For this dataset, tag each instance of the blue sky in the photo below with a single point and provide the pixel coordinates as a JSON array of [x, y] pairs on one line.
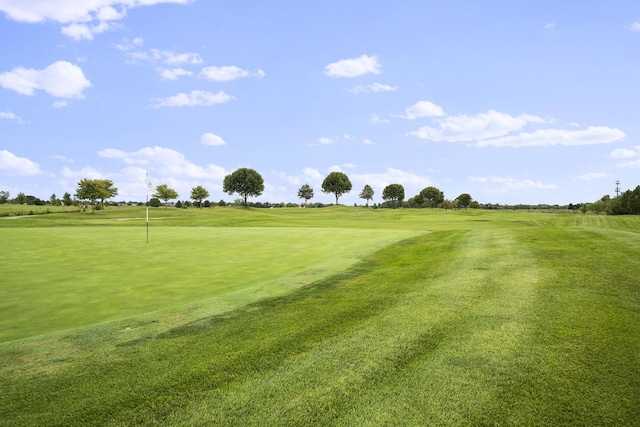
[[512, 102]]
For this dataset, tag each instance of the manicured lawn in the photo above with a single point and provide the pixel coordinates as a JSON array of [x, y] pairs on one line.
[[500, 318]]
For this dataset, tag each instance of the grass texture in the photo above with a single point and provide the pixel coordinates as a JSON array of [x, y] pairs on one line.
[[489, 319]]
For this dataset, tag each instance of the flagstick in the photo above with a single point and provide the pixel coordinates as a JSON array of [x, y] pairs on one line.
[[147, 218]]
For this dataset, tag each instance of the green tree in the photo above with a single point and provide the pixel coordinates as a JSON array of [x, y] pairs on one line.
[[393, 193], [431, 197], [154, 202], [163, 192], [244, 181], [20, 199], [366, 193], [463, 200], [198, 194], [336, 183], [89, 190], [66, 199], [54, 200], [106, 189], [4, 197], [447, 204], [305, 192]]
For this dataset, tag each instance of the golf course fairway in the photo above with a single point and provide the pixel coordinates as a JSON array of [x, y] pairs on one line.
[[334, 316]]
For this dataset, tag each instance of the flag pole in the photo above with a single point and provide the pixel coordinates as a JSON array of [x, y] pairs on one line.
[[149, 188]]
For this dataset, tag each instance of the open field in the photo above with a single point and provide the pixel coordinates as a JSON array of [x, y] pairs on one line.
[[333, 316]]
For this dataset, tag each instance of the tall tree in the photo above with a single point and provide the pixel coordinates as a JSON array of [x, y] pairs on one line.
[[394, 193], [66, 199], [106, 189], [464, 200], [367, 193], [4, 197], [163, 192], [431, 197], [198, 194], [337, 183], [20, 199], [95, 189], [305, 192], [244, 181]]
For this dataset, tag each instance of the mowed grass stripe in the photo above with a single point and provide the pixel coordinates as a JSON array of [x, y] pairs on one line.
[[518, 326], [67, 277]]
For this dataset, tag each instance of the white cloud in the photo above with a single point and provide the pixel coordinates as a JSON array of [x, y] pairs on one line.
[[505, 184], [548, 137], [14, 165], [593, 175], [165, 162], [368, 142], [549, 25], [630, 157], [378, 181], [227, 73], [212, 139], [491, 124], [130, 45], [375, 87], [84, 18], [60, 104], [8, 115], [364, 64], [625, 153], [325, 141], [167, 57], [86, 172], [377, 120], [85, 32], [422, 109], [196, 98], [635, 26], [60, 79], [174, 73]]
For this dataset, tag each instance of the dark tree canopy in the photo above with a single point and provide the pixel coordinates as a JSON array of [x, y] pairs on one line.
[[394, 193], [163, 192], [305, 192], [244, 181], [198, 194], [336, 183], [367, 193], [431, 197], [464, 200]]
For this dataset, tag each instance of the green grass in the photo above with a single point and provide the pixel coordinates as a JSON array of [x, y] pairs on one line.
[[491, 318]]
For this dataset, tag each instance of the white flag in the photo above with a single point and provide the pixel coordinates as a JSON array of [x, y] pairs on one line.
[[148, 183]]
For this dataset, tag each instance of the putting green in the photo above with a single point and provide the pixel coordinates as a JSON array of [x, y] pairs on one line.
[[67, 277]]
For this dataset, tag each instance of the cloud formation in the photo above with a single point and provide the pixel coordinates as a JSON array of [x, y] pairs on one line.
[[549, 137], [506, 184], [375, 87], [83, 19], [11, 164], [422, 109], [196, 98], [464, 128], [227, 73], [359, 66], [60, 79], [212, 139]]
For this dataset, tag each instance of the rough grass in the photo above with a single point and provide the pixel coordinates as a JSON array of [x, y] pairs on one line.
[[488, 320]]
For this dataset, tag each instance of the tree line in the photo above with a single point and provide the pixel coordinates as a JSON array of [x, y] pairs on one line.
[[247, 182]]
